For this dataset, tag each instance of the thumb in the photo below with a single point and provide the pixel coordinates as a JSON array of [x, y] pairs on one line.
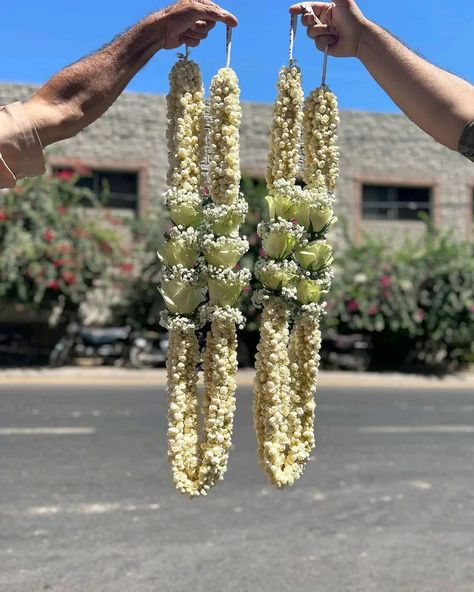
[[317, 7], [212, 12]]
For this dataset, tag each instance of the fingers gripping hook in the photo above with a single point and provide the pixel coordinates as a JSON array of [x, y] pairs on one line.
[[307, 7]]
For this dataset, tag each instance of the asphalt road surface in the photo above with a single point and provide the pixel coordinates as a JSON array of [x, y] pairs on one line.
[[86, 505]]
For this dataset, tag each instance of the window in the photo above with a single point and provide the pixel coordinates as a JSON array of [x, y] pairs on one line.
[[118, 189], [383, 202]]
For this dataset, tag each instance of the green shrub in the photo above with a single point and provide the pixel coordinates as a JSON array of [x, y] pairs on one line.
[[52, 247], [417, 302]]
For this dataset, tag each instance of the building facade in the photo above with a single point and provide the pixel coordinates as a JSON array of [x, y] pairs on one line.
[[390, 170]]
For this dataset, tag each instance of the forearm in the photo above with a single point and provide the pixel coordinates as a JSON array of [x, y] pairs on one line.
[[437, 101], [82, 92]]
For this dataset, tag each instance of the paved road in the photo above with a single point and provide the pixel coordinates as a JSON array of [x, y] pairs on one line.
[[387, 505]]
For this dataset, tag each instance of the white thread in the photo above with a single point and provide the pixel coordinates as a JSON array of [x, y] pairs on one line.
[[228, 48], [325, 66], [308, 8], [293, 28]]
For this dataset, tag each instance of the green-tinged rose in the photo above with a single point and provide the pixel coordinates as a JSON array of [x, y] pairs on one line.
[[180, 298], [227, 224], [308, 291], [276, 279], [321, 218], [279, 244], [186, 214], [281, 206], [224, 293], [302, 216], [222, 254], [314, 256], [179, 252]]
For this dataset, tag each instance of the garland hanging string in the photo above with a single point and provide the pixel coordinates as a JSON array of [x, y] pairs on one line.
[[295, 272]]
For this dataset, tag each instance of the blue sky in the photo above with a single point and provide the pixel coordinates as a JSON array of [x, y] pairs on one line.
[[39, 38]]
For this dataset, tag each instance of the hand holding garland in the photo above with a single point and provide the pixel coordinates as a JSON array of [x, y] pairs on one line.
[[437, 101], [82, 92]]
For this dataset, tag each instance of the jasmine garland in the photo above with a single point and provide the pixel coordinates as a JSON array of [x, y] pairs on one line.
[[296, 273], [199, 284]]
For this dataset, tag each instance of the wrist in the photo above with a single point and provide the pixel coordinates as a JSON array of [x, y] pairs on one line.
[[156, 25], [365, 40]]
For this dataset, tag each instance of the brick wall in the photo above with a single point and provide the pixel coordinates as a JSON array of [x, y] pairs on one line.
[[375, 148]]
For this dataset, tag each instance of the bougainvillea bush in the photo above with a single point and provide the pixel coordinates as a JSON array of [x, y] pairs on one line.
[[52, 246], [416, 302]]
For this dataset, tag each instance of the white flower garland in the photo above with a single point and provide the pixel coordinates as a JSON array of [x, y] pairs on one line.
[[295, 274], [202, 233], [287, 122], [224, 140], [321, 119]]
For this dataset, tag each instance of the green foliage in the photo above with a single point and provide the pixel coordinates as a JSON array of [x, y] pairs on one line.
[[417, 301], [142, 302], [255, 192], [52, 246]]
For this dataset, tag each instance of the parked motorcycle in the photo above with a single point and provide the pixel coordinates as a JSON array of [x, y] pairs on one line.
[[345, 352], [149, 350], [116, 346]]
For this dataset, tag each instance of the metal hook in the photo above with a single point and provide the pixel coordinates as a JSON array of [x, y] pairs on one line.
[[308, 9], [228, 46], [293, 29]]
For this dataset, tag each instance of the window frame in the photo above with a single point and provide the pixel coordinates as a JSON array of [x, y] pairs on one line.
[[393, 205], [393, 181], [140, 168]]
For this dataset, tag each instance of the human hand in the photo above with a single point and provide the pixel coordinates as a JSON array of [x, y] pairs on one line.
[[341, 28], [189, 22]]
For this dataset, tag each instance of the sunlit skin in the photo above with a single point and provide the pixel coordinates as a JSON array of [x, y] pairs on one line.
[[438, 102], [81, 93]]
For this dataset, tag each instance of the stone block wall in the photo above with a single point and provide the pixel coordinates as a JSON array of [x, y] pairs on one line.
[[376, 148]]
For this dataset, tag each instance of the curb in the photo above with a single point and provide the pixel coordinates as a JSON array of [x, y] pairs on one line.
[[125, 377]]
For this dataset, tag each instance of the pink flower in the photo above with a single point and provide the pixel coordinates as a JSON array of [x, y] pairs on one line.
[[352, 305], [64, 248], [419, 315], [385, 281], [128, 267], [471, 308], [65, 175], [253, 239], [3, 215], [81, 168], [261, 253], [80, 233], [52, 285], [372, 310], [68, 277], [48, 235], [61, 210]]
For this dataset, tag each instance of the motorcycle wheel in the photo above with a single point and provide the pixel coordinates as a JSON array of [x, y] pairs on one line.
[[60, 353], [134, 358]]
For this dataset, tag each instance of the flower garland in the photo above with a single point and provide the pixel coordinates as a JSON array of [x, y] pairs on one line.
[[199, 284], [295, 273]]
